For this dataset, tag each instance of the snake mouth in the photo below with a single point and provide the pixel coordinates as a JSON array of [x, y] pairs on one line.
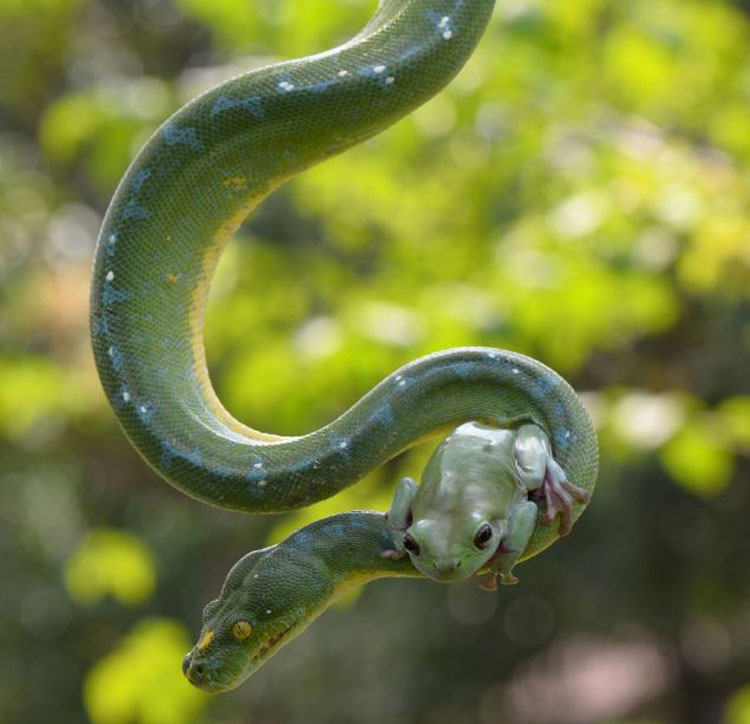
[[271, 644], [223, 678], [213, 679]]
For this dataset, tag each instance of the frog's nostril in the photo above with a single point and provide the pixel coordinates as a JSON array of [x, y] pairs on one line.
[[447, 566]]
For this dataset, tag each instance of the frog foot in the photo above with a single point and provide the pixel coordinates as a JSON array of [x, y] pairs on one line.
[[391, 555], [488, 582], [508, 579], [397, 537], [559, 494]]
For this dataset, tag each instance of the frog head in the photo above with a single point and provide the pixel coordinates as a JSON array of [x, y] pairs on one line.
[[455, 547]]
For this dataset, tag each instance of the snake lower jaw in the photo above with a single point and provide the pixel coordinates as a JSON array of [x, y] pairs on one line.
[[270, 646]]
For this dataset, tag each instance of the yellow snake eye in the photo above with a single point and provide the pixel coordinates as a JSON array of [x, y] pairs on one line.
[[241, 630]]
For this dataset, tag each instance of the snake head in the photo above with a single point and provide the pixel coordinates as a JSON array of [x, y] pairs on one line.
[[269, 597]]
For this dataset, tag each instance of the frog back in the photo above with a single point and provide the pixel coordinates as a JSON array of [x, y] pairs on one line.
[[472, 468]]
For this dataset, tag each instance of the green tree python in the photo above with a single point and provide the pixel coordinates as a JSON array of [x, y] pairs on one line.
[[178, 204]]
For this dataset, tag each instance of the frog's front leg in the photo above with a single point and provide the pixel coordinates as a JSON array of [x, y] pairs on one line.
[[521, 524], [538, 469], [399, 516]]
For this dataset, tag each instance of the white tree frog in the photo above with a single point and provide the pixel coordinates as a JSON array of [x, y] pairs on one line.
[[475, 509]]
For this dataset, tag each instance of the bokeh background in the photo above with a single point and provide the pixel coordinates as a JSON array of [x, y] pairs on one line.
[[580, 193]]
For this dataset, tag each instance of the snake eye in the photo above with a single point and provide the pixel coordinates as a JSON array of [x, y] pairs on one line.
[[483, 537], [241, 630], [411, 545]]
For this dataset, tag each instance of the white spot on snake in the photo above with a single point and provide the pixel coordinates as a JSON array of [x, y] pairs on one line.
[[343, 445], [258, 466], [268, 611], [563, 438], [111, 239], [262, 483], [343, 73], [378, 69], [390, 80], [116, 357], [444, 25], [516, 371], [126, 396], [403, 383], [110, 276], [285, 85], [146, 412], [255, 575]]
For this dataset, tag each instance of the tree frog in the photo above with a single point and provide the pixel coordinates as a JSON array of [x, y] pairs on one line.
[[475, 509]]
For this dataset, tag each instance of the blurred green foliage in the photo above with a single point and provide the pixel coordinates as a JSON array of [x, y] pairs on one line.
[[122, 689], [738, 711], [580, 193], [110, 562]]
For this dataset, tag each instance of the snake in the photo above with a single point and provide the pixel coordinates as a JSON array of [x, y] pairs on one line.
[[177, 206]]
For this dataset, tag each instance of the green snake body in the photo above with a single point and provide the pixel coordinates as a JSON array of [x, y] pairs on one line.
[[179, 203]]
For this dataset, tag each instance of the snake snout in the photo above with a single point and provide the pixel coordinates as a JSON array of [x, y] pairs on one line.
[[193, 670]]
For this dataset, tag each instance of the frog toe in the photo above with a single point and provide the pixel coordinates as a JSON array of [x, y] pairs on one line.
[[488, 582], [559, 494], [392, 555]]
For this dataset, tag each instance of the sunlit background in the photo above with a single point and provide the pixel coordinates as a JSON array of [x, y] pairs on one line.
[[580, 193]]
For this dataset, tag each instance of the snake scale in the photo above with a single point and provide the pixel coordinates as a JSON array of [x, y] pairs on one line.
[[181, 200]]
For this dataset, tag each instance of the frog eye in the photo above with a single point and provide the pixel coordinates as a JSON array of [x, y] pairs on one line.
[[411, 545], [483, 537], [241, 630]]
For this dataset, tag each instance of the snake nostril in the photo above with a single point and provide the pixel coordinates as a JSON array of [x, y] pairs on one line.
[[185, 664], [199, 669]]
